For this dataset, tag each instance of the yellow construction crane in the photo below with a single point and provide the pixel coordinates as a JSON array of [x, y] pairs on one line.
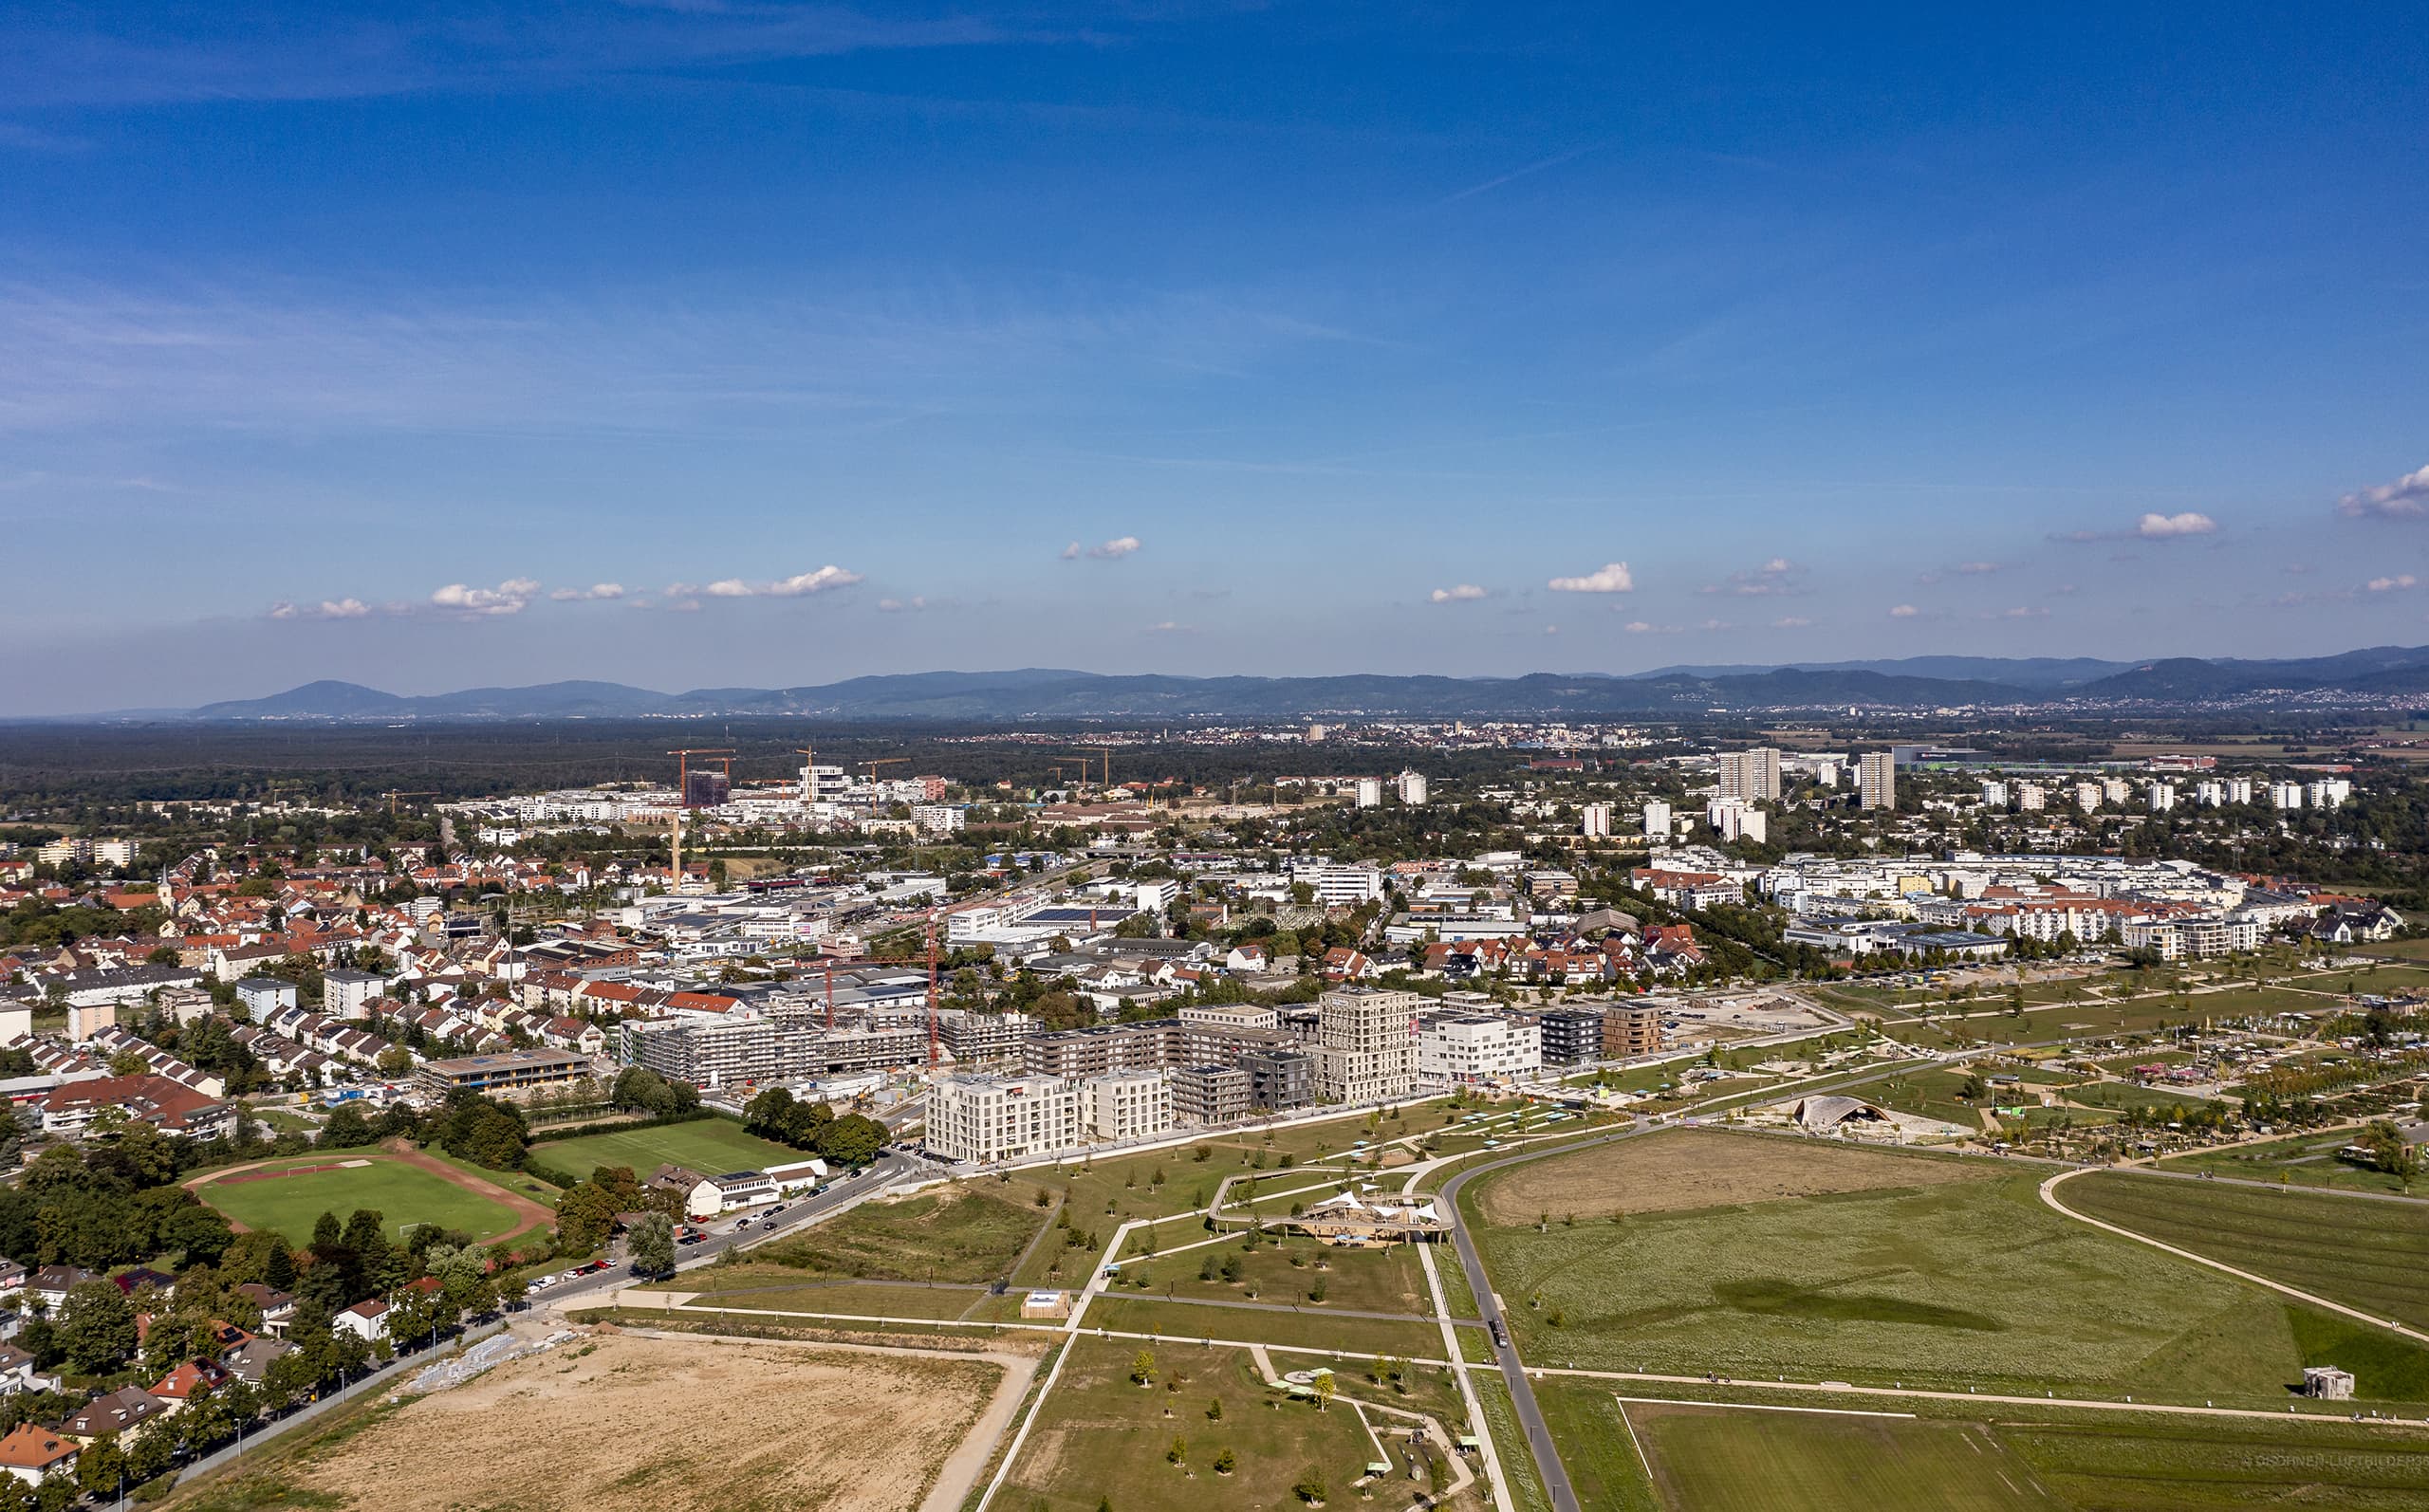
[[886, 761], [393, 794], [1105, 751]]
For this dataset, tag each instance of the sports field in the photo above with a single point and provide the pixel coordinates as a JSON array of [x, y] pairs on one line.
[[1965, 1283], [290, 1196], [709, 1146], [2365, 1253]]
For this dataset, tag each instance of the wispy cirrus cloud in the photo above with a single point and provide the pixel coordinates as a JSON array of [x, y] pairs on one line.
[[1461, 593], [326, 609], [2406, 498], [1961, 569], [159, 55], [2398, 583], [1113, 550], [596, 592], [902, 606], [1612, 577]]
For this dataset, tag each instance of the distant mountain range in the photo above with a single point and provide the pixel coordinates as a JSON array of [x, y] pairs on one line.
[[1918, 683]]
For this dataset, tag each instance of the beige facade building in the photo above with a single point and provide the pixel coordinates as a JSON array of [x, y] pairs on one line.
[[1366, 1044]]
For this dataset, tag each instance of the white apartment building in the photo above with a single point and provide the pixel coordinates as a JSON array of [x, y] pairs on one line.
[[2115, 789], [2286, 795], [1366, 1044], [2159, 797], [1657, 821], [2239, 790], [991, 1119], [1734, 819], [2031, 798], [1995, 795], [1594, 822], [1456, 1048], [1127, 1104], [2330, 793], [2087, 797], [937, 818], [2193, 938], [1370, 792], [1340, 886], [1413, 787], [2209, 795]]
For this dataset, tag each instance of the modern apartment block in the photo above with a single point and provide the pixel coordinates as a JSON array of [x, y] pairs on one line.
[[1280, 1079], [1206, 1095], [1126, 1105], [1151, 1044], [1366, 1044], [991, 1119], [1455, 1049]]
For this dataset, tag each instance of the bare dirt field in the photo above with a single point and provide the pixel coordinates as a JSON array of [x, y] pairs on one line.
[[1693, 1167], [668, 1426]]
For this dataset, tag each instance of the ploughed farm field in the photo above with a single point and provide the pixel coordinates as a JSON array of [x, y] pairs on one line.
[[1911, 1278]]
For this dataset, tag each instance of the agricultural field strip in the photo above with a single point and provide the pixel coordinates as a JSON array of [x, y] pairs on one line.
[[2253, 1182], [1763, 1406], [2048, 1196], [1701, 1383]]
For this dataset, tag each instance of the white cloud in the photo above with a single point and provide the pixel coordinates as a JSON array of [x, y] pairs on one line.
[[1168, 627], [898, 606], [1461, 594], [1114, 549], [1071, 552], [2404, 499], [1904, 611], [2167, 526], [2019, 612], [2395, 585], [596, 591], [1612, 577], [326, 609], [1715, 624], [508, 598], [1790, 622], [1777, 576], [820, 580]]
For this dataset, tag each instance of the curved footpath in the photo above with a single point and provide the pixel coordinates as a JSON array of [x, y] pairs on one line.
[[2049, 1195]]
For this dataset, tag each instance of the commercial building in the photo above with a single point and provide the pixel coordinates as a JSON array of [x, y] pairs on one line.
[[991, 1119], [1366, 1044], [1207, 1094], [1877, 779], [1340, 886], [506, 1072], [1126, 1105]]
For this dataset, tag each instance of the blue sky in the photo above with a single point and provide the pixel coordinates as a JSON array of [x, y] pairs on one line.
[[725, 342]]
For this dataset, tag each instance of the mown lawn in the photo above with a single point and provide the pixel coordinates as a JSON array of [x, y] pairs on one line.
[[291, 1202], [1968, 1284], [2363, 1253]]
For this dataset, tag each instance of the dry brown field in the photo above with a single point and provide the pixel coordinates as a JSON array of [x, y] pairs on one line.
[[667, 1426]]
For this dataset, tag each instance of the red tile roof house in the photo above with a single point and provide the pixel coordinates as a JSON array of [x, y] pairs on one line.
[[367, 1321], [31, 1453], [179, 1387]]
